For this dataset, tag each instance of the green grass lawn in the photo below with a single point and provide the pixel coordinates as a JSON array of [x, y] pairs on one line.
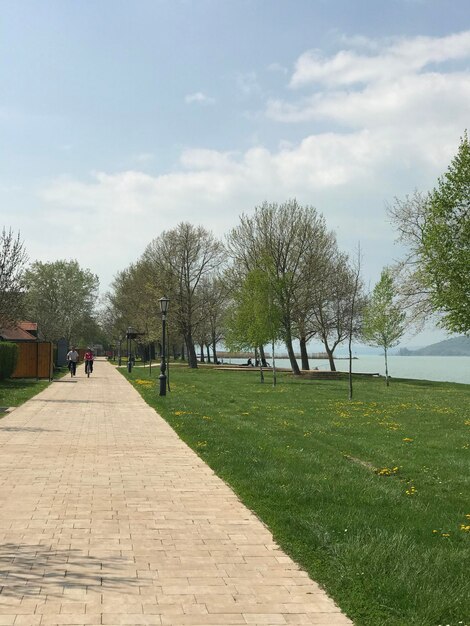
[[15, 391], [370, 496]]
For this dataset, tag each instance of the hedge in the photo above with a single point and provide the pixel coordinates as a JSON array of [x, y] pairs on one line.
[[8, 359]]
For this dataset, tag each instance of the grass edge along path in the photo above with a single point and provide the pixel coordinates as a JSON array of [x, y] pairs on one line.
[[370, 497], [15, 391]]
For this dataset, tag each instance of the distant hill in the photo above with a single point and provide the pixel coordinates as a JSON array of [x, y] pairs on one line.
[[457, 346]]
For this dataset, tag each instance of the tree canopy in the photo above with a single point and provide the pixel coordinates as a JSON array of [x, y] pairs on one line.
[[287, 280], [61, 298], [434, 277], [445, 246], [181, 259], [256, 318], [289, 243], [12, 263], [384, 321]]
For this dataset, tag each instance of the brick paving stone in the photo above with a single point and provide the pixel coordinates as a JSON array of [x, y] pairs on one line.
[[107, 517], [27, 620], [51, 619]]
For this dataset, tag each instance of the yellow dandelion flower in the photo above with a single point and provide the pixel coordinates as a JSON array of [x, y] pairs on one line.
[[386, 471]]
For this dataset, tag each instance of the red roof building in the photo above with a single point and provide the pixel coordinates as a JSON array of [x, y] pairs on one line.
[[23, 331]]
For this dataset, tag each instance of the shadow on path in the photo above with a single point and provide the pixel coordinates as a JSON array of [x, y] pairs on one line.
[[30, 570], [28, 429]]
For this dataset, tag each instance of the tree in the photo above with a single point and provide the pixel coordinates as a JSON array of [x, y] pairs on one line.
[[182, 258], [434, 277], [384, 321], [409, 216], [256, 317], [133, 301], [12, 263], [61, 297], [120, 304], [445, 246], [215, 295], [334, 297], [315, 270], [284, 241], [357, 305]]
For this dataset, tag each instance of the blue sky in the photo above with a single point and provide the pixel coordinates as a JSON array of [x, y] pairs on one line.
[[119, 119]]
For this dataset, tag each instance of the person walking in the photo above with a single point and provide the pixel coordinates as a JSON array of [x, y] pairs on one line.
[[89, 357], [72, 360]]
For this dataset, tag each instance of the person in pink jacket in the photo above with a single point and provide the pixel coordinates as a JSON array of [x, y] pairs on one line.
[[89, 357]]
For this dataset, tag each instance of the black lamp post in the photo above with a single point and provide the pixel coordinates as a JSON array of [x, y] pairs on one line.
[[130, 335], [164, 302]]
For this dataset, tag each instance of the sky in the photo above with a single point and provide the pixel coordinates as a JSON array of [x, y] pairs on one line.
[[120, 119]]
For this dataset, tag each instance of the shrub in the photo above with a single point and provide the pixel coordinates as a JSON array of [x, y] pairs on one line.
[[8, 359]]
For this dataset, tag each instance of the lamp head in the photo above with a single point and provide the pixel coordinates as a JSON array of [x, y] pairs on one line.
[[164, 302]]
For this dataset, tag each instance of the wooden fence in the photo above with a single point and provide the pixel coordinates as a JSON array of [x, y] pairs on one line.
[[35, 360]]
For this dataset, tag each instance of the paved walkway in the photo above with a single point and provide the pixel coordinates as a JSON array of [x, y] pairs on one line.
[[106, 517]]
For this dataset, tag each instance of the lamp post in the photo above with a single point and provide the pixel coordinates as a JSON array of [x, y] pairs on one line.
[[164, 302], [131, 334]]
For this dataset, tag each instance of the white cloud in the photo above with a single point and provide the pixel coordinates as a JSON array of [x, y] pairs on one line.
[[406, 101], [403, 56], [391, 133], [329, 170], [413, 112], [199, 98]]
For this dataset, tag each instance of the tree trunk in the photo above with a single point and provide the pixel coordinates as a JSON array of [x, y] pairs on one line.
[[183, 358], [201, 355], [330, 357], [293, 361], [274, 366], [258, 362], [350, 367], [386, 368], [262, 357], [208, 354], [192, 358], [214, 350], [303, 353]]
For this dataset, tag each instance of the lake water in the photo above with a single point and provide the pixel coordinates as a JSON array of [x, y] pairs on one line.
[[454, 369]]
